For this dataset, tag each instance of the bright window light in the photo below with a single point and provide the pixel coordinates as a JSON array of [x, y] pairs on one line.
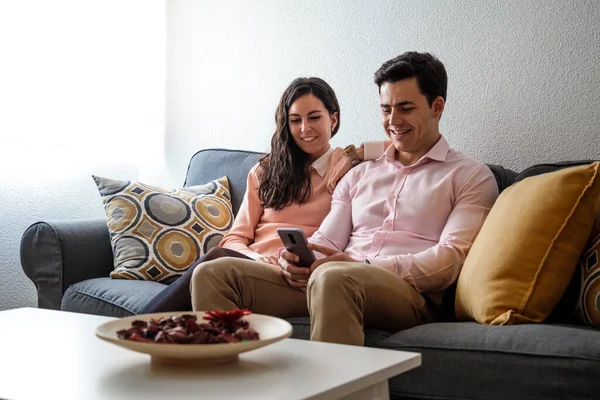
[[81, 83]]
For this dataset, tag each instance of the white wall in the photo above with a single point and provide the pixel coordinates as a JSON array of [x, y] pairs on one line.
[[81, 93], [524, 76]]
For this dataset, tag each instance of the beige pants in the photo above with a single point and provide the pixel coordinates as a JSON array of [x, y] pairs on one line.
[[341, 297]]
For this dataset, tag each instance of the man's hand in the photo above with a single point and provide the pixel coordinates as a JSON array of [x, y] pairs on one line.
[[296, 276], [267, 259], [330, 255]]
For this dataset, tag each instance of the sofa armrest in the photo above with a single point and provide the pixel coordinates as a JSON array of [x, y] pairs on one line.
[[56, 254]]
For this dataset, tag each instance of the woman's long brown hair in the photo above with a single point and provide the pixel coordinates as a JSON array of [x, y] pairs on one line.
[[284, 172]]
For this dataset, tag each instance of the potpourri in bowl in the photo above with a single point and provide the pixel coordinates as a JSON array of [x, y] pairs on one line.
[[215, 327], [198, 338]]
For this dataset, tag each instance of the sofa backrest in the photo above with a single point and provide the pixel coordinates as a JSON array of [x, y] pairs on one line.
[[207, 165], [504, 177], [210, 164]]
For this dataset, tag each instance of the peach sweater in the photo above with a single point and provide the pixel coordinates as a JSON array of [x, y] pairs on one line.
[[254, 230]]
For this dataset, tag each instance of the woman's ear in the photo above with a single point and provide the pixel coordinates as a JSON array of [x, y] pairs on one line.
[[334, 120]]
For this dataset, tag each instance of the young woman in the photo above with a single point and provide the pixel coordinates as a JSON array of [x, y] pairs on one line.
[[290, 187]]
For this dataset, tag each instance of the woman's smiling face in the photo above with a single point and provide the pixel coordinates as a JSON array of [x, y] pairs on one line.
[[311, 124]]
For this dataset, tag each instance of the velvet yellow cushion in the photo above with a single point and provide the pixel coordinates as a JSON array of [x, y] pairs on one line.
[[527, 250]]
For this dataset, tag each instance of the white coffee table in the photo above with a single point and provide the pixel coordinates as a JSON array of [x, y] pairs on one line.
[[55, 354]]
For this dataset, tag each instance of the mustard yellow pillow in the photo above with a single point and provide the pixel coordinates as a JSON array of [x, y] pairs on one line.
[[527, 250]]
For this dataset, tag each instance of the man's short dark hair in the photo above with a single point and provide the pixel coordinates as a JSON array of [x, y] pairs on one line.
[[429, 71]]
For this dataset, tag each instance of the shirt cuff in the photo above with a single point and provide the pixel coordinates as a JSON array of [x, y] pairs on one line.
[[318, 255], [253, 255], [385, 263], [373, 150]]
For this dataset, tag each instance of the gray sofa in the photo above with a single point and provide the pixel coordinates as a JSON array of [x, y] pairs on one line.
[[69, 263]]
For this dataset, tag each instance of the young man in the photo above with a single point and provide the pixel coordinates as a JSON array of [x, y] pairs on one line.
[[398, 231]]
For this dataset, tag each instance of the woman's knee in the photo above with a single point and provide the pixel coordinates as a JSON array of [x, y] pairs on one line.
[[214, 253], [208, 270]]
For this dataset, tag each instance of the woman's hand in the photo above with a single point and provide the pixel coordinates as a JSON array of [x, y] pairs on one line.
[[296, 276], [338, 171], [267, 259], [342, 167]]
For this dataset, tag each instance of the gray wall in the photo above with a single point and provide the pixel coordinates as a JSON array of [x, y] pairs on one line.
[[524, 76]]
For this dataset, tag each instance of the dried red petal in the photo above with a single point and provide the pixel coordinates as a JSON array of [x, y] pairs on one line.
[[139, 338], [222, 327], [226, 317], [139, 324]]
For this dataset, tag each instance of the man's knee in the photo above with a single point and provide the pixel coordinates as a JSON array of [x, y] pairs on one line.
[[332, 274]]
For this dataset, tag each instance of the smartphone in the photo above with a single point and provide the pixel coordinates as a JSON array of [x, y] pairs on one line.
[[294, 241]]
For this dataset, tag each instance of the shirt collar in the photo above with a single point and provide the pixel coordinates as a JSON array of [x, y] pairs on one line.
[[438, 152], [321, 164]]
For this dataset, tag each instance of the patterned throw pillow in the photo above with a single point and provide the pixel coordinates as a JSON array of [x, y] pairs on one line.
[[157, 234], [588, 307]]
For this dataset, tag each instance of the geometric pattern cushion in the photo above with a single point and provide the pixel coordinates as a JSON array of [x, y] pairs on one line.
[[157, 234], [588, 307]]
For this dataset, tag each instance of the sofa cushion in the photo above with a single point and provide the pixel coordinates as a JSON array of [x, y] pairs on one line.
[[123, 298], [302, 331], [525, 254], [110, 297], [530, 361], [157, 234]]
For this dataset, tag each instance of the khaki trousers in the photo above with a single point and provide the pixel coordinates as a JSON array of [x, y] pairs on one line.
[[341, 297]]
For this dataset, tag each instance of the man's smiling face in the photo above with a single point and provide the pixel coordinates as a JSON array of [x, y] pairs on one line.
[[408, 119]]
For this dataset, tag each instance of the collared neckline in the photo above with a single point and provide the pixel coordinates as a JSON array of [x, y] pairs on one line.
[[321, 164], [438, 152]]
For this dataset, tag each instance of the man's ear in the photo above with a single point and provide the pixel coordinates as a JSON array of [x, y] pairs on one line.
[[438, 106]]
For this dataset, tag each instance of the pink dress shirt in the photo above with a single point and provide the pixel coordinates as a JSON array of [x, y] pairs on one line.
[[418, 221]]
